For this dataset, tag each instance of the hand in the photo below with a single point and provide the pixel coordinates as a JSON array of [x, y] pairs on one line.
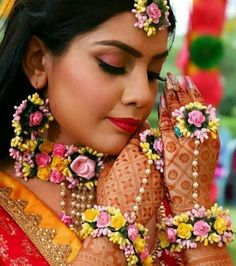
[[121, 179], [178, 152]]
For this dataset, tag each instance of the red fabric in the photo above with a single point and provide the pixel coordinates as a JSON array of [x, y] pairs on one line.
[[16, 249], [208, 17], [210, 86]]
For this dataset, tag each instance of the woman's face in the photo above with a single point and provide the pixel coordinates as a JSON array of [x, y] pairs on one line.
[[104, 85]]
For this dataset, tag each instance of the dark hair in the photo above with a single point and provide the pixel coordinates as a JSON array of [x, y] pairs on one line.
[[56, 23]]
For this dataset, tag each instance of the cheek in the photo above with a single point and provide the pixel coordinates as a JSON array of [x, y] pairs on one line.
[[80, 91]]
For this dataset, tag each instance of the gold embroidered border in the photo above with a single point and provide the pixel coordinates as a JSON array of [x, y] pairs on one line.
[[56, 255]]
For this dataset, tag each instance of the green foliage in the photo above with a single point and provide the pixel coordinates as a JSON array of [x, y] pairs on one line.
[[206, 51]]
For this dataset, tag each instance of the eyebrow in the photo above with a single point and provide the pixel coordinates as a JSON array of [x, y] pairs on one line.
[[130, 50]]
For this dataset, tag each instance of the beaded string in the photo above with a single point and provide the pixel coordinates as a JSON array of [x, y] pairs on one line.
[[195, 174], [138, 199]]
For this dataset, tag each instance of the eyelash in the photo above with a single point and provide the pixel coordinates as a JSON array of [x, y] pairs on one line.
[[152, 76]]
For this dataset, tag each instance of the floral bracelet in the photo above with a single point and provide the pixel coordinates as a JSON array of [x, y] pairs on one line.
[[120, 229], [184, 231]]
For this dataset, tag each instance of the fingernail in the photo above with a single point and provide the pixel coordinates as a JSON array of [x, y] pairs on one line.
[[173, 79], [169, 84], [189, 82], [162, 101]]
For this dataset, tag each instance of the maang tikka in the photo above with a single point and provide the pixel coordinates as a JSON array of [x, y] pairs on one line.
[[151, 15]]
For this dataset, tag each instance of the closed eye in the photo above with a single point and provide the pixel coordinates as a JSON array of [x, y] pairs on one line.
[[114, 70], [152, 76]]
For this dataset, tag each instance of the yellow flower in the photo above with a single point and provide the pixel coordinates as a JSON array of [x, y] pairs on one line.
[[162, 237], [145, 146], [43, 173], [90, 215], [29, 145], [59, 163], [220, 225], [117, 238], [214, 125], [90, 184], [113, 211], [85, 231], [139, 244], [118, 221], [184, 230], [213, 238], [148, 261], [196, 105], [132, 260], [36, 99], [26, 169], [16, 142], [215, 211], [46, 146]]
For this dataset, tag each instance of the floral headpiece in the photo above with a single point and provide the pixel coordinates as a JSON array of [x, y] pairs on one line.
[[151, 15]]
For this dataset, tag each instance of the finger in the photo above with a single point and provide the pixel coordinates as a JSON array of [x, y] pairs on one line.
[[182, 92], [193, 90], [171, 98], [165, 121]]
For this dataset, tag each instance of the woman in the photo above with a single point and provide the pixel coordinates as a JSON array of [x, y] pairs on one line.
[[95, 63]]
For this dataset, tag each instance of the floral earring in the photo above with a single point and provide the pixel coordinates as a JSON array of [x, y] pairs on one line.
[[31, 119]]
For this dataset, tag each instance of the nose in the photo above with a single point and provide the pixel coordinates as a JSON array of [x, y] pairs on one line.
[[138, 91]]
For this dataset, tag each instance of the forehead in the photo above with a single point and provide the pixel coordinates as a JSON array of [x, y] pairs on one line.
[[121, 28]]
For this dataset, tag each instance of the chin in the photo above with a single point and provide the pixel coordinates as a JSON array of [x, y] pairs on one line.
[[111, 147]]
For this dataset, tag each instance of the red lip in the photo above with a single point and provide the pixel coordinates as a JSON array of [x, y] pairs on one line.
[[129, 125]]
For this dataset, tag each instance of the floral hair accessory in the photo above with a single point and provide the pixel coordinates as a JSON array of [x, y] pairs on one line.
[[184, 231], [196, 120], [151, 15], [152, 145], [120, 229]]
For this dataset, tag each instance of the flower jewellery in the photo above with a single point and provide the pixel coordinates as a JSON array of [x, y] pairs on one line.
[[61, 164], [151, 15], [122, 229], [196, 120], [186, 230]]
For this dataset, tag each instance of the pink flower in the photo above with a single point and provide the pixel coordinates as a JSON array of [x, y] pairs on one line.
[[56, 177], [59, 150], [84, 167], [171, 235], [212, 112], [103, 220], [196, 118], [158, 145], [132, 232], [201, 228], [154, 12], [66, 219], [35, 118], [42, 159], [144, 254]]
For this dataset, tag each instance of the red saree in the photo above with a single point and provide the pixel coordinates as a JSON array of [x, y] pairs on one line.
[[30, 233]]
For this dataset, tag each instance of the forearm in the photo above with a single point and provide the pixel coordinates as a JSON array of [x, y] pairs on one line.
[[207, 256], [99, 252]]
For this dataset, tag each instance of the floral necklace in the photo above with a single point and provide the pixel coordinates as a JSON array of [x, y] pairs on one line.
[[76, 169]]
